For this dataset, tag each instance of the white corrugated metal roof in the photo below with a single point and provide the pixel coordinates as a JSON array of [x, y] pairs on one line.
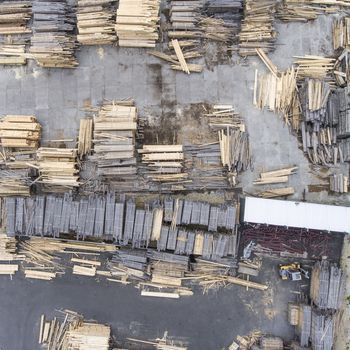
[[297, 214]]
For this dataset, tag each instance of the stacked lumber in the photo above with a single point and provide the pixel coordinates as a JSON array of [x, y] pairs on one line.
[[276, 192], [341, 33], [96, 22], [14, 183], [53, 43], [164, 163], [271, 343], [8, 269], [298, 11], [85, 137], [339, 183], [8, 249], [322, 330], [20, 131], [249, 341], [316, 67], [14, 29], [275, 176], [341, 71], [114, 139], [73, 333], [293, 314], [257, 28], [58, 167], [303, 328], [137, 23], [184, 18]]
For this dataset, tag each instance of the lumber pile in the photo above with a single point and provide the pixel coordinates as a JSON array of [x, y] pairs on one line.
[[20, 131], [298, 11], [96, 22], [14, 31], [275, 176], [316, 67], [58, 167], [322, 330], [246, 342], [276, 192], [163, 343], [8, 249], [338, 183], [114, 140], [303, 328], [271, 343], [341, 33], [85, 137], [14, 183], [163, 163], [184, 18], [137, 23], [53, 43], [326, 285], [257, 28], [73, 333]]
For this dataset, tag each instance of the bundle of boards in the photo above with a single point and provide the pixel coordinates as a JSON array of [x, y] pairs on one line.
[[96, 22], [53, 43], [137, 23], [14, 19]]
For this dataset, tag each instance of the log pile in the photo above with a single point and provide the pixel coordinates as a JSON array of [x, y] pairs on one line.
[[257, 28], [137, 23], [339, 183], [73, 333], [164, 163], [96, 22], [58, 168], [85, 137], [20, 131], [14, 30], [53, 43], [114, 140]]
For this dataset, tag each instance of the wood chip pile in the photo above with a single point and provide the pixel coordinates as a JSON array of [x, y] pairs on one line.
[[114, 140], [257, 28], [96, 22], [14, 30], [137, 23], [53, 43], [58, 168]]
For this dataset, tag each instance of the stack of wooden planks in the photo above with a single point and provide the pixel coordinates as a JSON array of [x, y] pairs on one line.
[[73, 333], [161, 343], [20, 131], [164, 162], [53, 43], [14, 183], [298, 11], [341, 33], [8, 253], [275, 176], [339, 183], [316, 67], [14, 20], [137, 23], [85, 137], [276, 192], [257, 28], [58, 167], [96, 22], [114, 139]]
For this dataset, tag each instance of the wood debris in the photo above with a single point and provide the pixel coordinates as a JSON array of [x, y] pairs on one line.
[[164, 343], [73, 333], [137, 23], [339, 183], [96, 22], [275, 176], [53, 43], [85, 137], [58, 168]]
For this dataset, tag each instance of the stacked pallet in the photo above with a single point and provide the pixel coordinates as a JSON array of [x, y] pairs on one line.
[[20, 131], [85, 137], [137, 23], [96, 22], [338, 183], [53, 43], [114, 139], [257, 28], [341, 33], [14, 19], [164, 163], [73, 333], [58, 167]]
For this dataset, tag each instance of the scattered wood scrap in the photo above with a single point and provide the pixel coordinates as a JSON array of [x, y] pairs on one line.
[[137, 23], [275, 176]]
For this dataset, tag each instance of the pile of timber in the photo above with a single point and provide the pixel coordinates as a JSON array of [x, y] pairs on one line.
[[114, 140], [96, 22], [257, 28], [298, 11], [276, 192], [179, 54], [8, 255], [14, 30], [322, 330], [303, 328], [58, 167], [137, 23], [326, 285], [341, 71], [73, 333], [14, 183], [316, 67], [53, 43], [20, 131], [163, 343], [339, 183], [85, 137], [275, 176], [293, 314], [341, 33], [163, 163]]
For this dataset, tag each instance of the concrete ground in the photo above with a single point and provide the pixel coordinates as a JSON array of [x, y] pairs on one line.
[[206, 322], [58, 97]]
